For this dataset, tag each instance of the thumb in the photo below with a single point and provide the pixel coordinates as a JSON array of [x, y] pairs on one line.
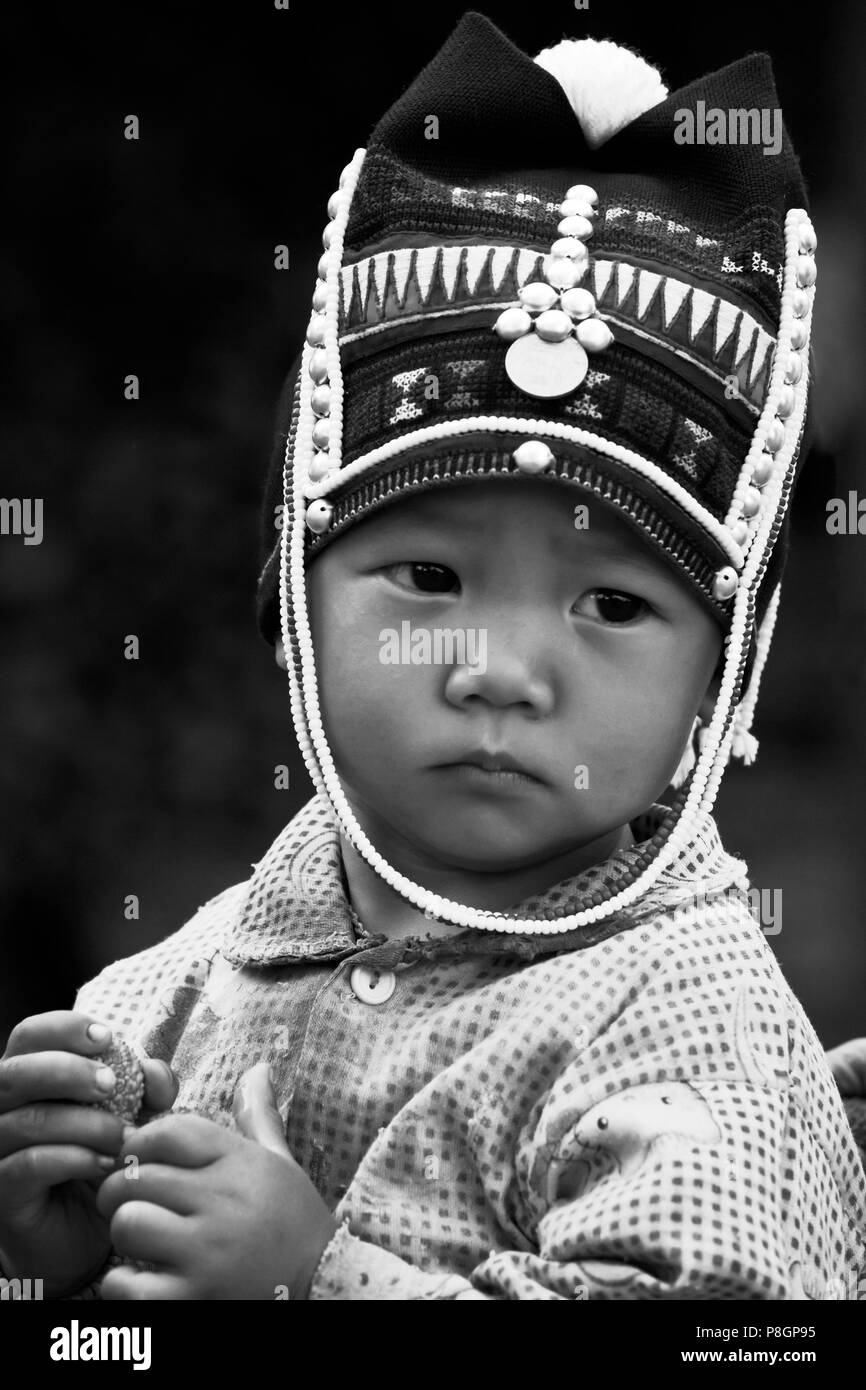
[[255, 1110]]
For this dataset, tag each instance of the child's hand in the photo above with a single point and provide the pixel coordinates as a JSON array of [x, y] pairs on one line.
[[848, 1065], [223, 1215], [55, 1148]]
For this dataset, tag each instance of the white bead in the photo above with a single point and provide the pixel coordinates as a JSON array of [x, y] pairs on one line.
[[808, 239], [576, 226], [584, 193], [739, 531], [807, 272], [322, 433], [513, 323], [322, 267], [320, 467], [798, 336], [800, 304], [594, 335], [319, 366], [794, 369], [569, 246], [327, 234], [762, 472], [334, 204], [577, 207], [316, 331], [785, 407], [579, 303], [321, 400], [725, 583], [553, 326], [533, 457], [345, 174], [563, 274], [537, 296], [320, 297], [319, 516], [751, 502], [775, 437]]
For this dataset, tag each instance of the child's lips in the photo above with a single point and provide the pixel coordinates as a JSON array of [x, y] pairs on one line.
[[485, 766]]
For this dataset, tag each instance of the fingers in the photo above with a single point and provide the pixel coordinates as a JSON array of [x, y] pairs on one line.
[[62, 1030], [47, 1075], [133, 1285], [160, 1085], [175, 1189], [848, 1064], [183, 1141], [26, 1174], [50, 1122], [142, 1231]]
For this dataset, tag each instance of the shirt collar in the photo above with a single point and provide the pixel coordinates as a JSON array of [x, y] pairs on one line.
[[297, 906]]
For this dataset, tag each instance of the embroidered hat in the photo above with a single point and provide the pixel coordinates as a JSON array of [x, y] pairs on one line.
[[543, 268]]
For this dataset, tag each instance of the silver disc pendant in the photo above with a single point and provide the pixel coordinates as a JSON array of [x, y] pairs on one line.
[[546, 369]]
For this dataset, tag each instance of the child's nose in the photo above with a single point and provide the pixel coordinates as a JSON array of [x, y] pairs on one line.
[[504, 677]]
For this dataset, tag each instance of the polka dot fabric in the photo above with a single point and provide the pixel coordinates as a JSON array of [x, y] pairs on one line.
[[635, 1110]]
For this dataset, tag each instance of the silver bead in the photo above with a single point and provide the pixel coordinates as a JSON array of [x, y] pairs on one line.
[[725, 583], [322, 433], [334, 204], [319, 366], [798, 336], [322, 267], [579, 303], [512, 323], [576, 226], [553, 326], [316, 331], [800, 304], [577, 207], [785, 407], [739, 531], [563, 274], [320, 297], [807, 272], [321, 400], [751, 502], [594, 335], [808, 239], [775, 437], [320, 467], [533, 457], [794, 369], [537, 296], [762, 472], [583, 192], [572, 248], [319, 515]]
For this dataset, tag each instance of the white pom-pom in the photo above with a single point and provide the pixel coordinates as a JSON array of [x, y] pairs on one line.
[[608, 86]]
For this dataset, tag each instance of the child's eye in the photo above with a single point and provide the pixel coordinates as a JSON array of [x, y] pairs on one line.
[[424, 577], [613, 606]]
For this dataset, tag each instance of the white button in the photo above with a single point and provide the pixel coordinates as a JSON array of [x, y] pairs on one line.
[[373, 986]]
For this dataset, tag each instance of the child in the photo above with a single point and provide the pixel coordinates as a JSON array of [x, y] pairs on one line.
[[527, 1039]]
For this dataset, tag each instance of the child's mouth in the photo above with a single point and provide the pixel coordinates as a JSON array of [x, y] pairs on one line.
[[491, 777]]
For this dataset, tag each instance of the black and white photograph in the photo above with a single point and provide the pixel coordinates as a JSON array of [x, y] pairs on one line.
[[433, 590]]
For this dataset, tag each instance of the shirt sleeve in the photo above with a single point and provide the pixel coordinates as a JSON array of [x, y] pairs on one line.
[[701, 1163]]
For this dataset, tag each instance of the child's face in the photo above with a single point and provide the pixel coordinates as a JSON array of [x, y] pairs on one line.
[[591, 659]]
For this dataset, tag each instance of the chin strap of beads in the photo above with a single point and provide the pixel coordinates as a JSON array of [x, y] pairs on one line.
[[777, 436]]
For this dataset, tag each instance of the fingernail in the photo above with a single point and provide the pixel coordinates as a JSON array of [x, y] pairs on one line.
[[105, 1079], [105, 1162], [167, 1069], [127, 1132], [98, 1033]]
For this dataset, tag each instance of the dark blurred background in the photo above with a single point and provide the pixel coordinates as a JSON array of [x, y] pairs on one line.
[[155, 257]]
